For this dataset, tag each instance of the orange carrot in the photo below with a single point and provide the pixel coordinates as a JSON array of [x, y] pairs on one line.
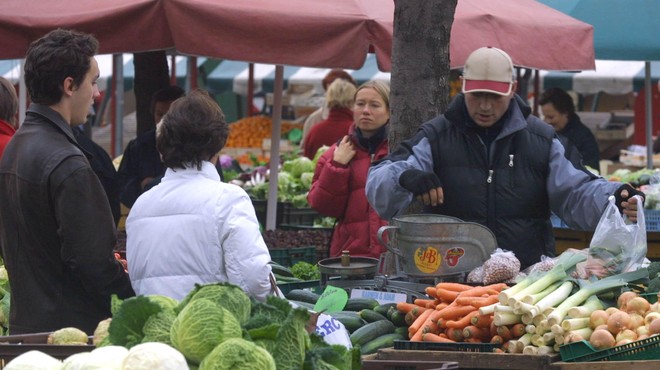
[[478, 291], [454, 312], [417, 324], [430, 337], [482, 321], [440, 306], [492, 329], [446, 295], [462, 322], [430, 291], [504, 332], [426, 303], [416, 337], [456, 287], [473, 340], [477, 301], [496, 339], [518, 330], [455, 334], [472, 331], [405, 307]]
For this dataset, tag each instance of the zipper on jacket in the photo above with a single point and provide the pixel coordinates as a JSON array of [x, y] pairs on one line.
[[490, 176], [510, 160]]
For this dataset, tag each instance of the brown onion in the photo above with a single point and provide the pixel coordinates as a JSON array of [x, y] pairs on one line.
[[618, 321], [602, 339]]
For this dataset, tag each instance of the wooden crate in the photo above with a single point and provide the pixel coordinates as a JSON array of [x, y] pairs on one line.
[[472, 360]]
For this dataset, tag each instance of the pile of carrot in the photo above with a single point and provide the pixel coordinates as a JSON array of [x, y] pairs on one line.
[[451, 314]]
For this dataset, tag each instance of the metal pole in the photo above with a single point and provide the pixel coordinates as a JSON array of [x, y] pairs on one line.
[[649, 114], [271, 204], [118, 72]]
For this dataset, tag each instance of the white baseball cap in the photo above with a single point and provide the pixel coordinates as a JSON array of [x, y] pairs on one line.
[[488, 69]]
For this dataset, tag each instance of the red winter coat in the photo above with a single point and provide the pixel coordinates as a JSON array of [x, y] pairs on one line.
[[328, 131], [6, 132], [338, 191]]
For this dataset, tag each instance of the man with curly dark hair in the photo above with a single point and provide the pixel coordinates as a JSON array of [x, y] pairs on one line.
[[192, 228], [56, 228]]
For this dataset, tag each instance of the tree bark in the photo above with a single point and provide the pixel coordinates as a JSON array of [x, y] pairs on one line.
[[420, 66], [151, 75]]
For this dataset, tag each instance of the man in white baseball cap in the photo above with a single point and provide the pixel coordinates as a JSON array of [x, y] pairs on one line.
[[488, 160]]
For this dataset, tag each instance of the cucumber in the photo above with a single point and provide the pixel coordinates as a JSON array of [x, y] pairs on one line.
[[359, 304], [398, 319], [351, 320], [384, 341], [306, 305], [371, 315], [371, 331], [280, 270], [384, 308], [302, 295], [403, 330]]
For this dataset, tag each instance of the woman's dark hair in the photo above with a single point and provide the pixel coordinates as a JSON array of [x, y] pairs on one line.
[[192, 131], [560, 99], [335, 74], [54, 57], [167, 94], [8, 102]]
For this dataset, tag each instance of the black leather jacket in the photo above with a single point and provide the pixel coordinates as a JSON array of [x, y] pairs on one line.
[[56, 230]]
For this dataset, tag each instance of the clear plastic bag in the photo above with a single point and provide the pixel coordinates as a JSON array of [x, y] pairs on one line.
[[617, 245], [501, 266]]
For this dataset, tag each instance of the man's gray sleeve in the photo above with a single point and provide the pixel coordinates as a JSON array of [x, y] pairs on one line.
[[384, 192], [576, 197]]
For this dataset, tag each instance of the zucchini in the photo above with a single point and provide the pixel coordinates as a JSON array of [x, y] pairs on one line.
[[383, 341], [351, 320], [383, 308], [371, 331], [303, 296], [359, 304], [371, 315]]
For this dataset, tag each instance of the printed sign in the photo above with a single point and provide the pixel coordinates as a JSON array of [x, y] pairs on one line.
[[427, 259], [332, 299], [381, 297], [453, 255]]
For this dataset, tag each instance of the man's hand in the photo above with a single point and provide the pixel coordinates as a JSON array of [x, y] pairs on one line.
[[425, 186], [624, 198]]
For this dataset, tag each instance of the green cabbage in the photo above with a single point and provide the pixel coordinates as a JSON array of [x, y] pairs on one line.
[[298, 166], [292, 340], [157, 328], [226, 295], [238, 354], [200, 327], [306, 180], [34, 360], [319, 153]]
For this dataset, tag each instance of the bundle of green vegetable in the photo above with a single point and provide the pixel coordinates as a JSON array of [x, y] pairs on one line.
[[217, 326]]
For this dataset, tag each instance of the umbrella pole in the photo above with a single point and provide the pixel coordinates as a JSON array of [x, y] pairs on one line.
[[271, 203], [649, 114]]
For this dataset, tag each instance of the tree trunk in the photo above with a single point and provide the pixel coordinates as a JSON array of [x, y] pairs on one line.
[[151, 75], [420, 66]]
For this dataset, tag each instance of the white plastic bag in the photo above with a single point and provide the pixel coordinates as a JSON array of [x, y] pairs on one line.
[[617, 245]]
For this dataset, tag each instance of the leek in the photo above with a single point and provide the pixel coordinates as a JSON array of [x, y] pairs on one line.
[[601, 286], [573, 324], [553, 298], [592, 304], [505, 318], [534, 298], [523, 341]]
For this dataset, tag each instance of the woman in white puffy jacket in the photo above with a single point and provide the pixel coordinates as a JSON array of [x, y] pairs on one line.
[[192, 228]]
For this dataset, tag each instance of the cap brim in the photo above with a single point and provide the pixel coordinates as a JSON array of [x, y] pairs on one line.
[[495, 87]]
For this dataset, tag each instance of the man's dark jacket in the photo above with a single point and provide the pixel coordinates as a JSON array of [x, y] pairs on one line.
[[56, 230]]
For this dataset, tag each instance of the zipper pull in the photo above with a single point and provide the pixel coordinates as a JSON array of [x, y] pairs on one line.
[[510, 160], [373, 155], [490, 176]]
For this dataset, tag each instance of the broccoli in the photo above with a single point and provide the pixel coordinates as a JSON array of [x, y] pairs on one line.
[[654, 270]]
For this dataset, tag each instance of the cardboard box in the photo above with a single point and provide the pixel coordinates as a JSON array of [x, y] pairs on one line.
[[615, 131]]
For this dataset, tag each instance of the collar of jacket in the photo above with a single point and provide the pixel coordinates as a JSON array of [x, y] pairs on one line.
[[371, 143], [208, 170], [515, 117], [54, 118]]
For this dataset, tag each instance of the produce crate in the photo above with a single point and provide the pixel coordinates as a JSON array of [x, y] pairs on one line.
[[472, 360], [371, 362], [650, 297], [582, 351], [12, 346], [313, 285], [299, 216], [289, 256], [652, 219], [433, 346], [261, 209], [606, 365]]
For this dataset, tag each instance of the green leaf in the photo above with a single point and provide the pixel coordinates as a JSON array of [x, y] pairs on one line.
[[128, 322]]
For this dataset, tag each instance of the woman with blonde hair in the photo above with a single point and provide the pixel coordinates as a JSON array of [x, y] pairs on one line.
[[341, 175], [339, 101]]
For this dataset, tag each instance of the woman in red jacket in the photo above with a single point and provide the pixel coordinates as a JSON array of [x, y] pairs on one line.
[[341, 174]]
